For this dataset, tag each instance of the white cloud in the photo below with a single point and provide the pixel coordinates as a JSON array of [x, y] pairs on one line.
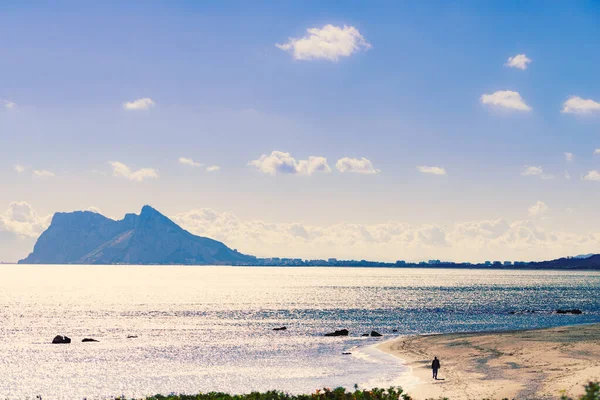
[[42, 173], [432, 170], [20, 226], [21, 220], [19, 168], [279, 162], [462, 241], [312, 165], [9, 105], [531, 170], [592, 176], [356, 165], [506, 99], [328, 43], [189, 161], [123, 171], [597, 151], [139, 104], [538, 209], [569, 156], [519, 61], [577, 105], [213, 168]]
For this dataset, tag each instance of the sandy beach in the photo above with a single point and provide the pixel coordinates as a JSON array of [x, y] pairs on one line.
[[533, 364]]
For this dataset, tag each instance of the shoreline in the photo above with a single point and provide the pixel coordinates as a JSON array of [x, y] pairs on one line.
[[517, 364], [384, 265]]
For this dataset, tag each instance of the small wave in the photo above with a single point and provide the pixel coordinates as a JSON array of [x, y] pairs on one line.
[[391, 370]]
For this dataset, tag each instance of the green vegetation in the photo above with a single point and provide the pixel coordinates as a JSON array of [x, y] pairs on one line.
[[592, 392], [321, 394]]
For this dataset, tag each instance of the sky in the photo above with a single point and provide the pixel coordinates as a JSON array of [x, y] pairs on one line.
[[453, 130]]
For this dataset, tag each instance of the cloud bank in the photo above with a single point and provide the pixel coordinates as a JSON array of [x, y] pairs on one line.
[[21, 220], [392, 240], [470, 241]]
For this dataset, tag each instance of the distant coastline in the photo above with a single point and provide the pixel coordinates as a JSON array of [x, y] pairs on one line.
[[151, 238], [591, 263], [561, 264]]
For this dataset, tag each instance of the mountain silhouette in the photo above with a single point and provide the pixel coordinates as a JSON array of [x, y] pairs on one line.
[[85, 237]]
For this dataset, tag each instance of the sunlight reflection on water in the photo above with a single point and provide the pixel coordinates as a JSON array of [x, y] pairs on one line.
[[210, 328]]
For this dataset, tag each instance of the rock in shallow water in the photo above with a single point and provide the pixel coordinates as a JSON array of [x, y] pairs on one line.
[[59, 339], [376, 334], [341, 332], [85, 340], [573, 311]]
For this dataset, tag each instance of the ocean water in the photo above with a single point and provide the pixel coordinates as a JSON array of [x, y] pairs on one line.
[[210, 328]]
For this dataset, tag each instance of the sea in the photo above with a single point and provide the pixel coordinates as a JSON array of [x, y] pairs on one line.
[[199, 329]]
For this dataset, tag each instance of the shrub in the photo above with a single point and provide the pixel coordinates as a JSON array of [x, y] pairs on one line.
[[592, 392]]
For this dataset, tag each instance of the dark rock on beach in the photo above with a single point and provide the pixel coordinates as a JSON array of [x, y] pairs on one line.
[[573, 311], [59, 339], [346, 353], [365, 335], [341, 332], [86, 340], [283, 328], [131, 337], [376, 334]]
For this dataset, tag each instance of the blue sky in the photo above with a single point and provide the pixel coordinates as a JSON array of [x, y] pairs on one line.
[[223, 94]]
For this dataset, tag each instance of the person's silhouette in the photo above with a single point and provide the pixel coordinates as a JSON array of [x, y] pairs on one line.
[[435, 366]]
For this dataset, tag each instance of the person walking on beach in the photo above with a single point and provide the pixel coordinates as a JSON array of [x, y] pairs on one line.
[[435, 365]]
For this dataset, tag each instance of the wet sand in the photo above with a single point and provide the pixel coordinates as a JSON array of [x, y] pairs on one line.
[[533, 364]]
